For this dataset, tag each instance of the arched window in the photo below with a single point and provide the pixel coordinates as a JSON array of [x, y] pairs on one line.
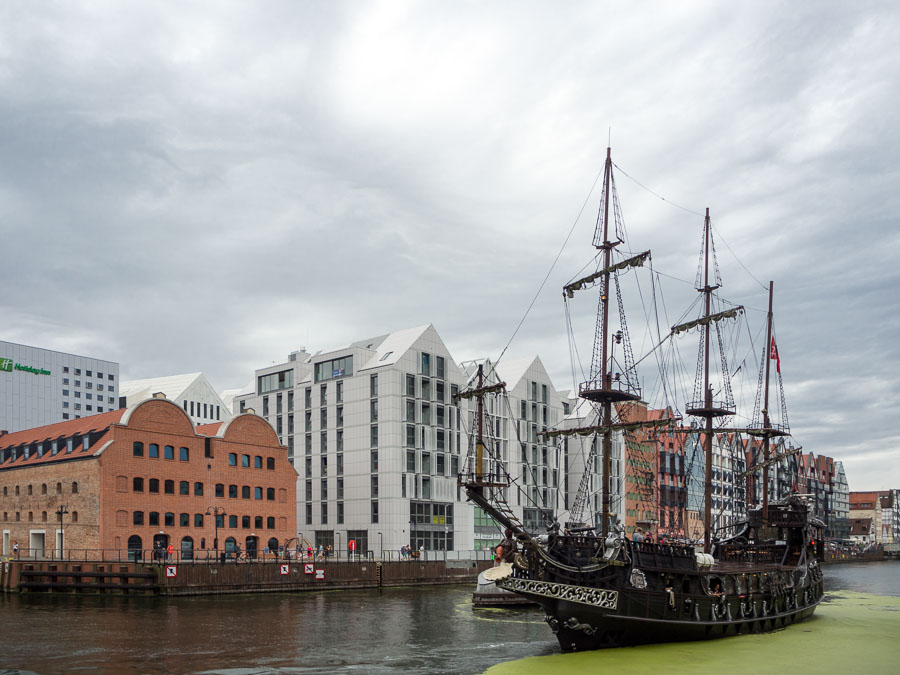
[[232, 459], [257, 462], [43, 488], [59, 488], [184, 487], [153, 485], [30, 490], [245, 460], [169, 519], [170, 487], [153, 451], [245, 492], [137, 450], [31, 516], [44, 516], [270, 494], [18, 516], [74, 516], [187, 548], [270, 463], [273, 545], [245, 522], [74, 488], [17, 490], [198, 521], [220, 489], [270, 523], [137, 484], [257, 492], [198, 489], [230, 543], [232, 521], [257, 522], [184, 519], [153, 518], [135, 546]]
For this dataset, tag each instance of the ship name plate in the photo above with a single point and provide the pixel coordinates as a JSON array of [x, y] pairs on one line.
[[595, 597]]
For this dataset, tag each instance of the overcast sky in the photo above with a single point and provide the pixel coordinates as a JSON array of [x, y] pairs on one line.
[[208, 186]]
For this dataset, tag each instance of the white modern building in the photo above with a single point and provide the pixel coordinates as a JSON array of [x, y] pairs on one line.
[[192, 392], [378, 441], [42, 386]]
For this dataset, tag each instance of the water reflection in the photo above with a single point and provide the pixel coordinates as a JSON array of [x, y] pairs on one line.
[[418, 630]]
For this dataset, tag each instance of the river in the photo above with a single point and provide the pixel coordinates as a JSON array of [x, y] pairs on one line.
[[410, 630]]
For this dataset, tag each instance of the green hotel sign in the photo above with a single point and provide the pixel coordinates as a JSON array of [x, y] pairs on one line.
[[7, 366]]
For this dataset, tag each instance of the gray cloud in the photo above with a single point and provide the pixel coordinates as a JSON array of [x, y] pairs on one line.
[[183, 190]]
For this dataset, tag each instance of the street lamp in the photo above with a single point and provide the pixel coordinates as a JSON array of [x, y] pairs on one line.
[[381, 544], [61, 510], [215, 512]]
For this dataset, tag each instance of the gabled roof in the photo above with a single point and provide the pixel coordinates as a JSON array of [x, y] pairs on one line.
[[512, 371], [171, 385], [390, 348], [83, 425]]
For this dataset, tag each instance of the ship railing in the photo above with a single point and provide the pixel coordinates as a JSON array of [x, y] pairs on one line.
[[662, 556], [752, 553]]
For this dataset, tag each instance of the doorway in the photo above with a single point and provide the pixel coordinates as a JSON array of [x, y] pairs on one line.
[[36, 544], [252, 546]]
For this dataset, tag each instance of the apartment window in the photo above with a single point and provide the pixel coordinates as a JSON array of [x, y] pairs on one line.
[[232, 491], [232, 459], [340, 465], [426, 413], [245, 522], [410, 410], [198, 520], [324, 465], [137, 485], [426, 364], [153, 486], [426, 462], [339, 440], [373, 385], [245, 492], [309, 514], [439, 464], [323, 442], [339, 392], [270, 494], [169, 487], [374, 511], [334, 369], [137, 518], [340, 513], [275, 381], [324, 507], [373, 436], [245, 461], [307, 397], [257, 493], [426, 487], [411, 435], [323, 489], [339, 416], [198, 489], [323, 395], [374, 486], [410, 385], [220, 489], [309, 490], [340, 488], [169, 452], [373, 460], [184, 487], [153, 518], [308, 467], [411, 461], [183, 454], [257, 462], [426, 388], [137, 449], [184, 520], [265, 406]]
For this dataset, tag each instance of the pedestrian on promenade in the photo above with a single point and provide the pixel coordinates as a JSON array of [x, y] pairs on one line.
[[16, 548], [170, 552]]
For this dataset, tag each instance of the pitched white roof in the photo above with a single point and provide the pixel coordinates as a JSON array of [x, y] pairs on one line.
[[512, 371], [171, 386], [392, 347]]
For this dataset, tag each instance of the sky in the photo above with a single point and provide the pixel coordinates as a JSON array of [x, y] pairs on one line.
[[190, 186]]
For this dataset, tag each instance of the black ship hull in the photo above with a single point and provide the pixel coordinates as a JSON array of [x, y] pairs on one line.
[[598, 619]]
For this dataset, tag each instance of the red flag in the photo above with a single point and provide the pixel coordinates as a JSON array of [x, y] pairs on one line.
[[773, 354]]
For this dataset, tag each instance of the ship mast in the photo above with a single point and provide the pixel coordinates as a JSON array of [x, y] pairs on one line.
[[707, 407], [765, 413]]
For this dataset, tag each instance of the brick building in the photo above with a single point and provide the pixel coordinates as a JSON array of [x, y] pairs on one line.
[[121, 481]]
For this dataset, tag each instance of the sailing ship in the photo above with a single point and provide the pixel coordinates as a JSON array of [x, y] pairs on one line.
[[599, 587]]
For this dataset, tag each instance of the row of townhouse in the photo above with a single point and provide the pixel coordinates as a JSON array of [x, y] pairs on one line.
[[875, 517]]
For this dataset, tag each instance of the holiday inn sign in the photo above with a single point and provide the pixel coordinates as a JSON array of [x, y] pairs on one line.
[[7, 365]]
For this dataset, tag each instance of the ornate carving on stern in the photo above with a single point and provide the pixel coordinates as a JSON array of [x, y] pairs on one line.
[[586, 596]]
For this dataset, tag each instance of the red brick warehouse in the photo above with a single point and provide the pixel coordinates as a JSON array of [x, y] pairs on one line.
[[131, 478]]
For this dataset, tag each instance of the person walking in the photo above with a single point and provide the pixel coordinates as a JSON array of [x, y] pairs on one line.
[[170, 551], [15, 548]]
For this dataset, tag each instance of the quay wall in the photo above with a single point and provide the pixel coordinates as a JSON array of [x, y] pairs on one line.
[[210, 579]]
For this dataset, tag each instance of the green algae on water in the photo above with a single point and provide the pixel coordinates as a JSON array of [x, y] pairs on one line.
[[850, 632]]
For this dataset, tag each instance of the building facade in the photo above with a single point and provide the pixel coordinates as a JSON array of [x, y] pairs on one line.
[[119, 483], [42, 386]]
